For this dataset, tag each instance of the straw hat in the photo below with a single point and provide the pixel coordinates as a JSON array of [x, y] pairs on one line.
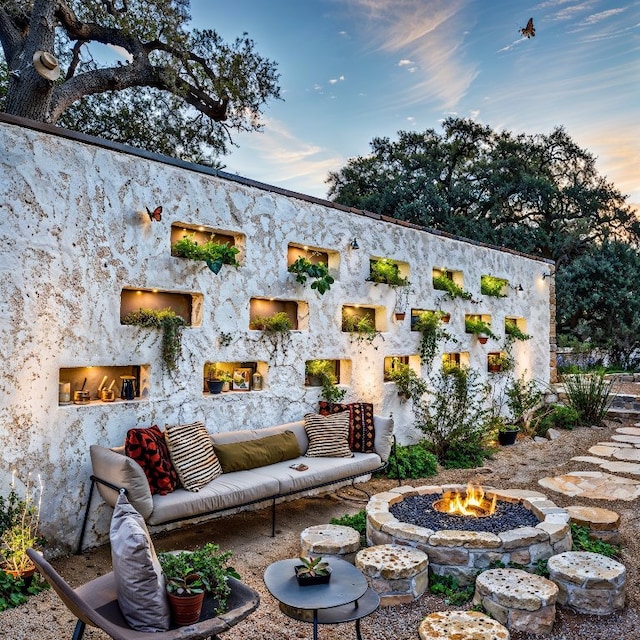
[[46, 65]]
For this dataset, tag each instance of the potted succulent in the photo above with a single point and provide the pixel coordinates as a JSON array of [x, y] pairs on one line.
[[312, 571]]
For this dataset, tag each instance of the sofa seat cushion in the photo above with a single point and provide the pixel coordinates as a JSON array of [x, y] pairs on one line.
[[225, 492], [249, 454], [319, 471]]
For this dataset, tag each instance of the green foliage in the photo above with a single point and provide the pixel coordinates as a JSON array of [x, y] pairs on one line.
[[454, 413], [279, 322], [414, 461], [210, 566], [14, 591], [312, 567], [479, 327], [556, 416], [362, 328], [319, 272], [387, 271], [324, 370], [583, 542], [410, 384], [442, 283], [357, 521], [492, 286], [429, 323], [183, 95], [468, 454], [590, 394], [214, 254], [523, 397], [450, 589], [513, 332], [169, 322]]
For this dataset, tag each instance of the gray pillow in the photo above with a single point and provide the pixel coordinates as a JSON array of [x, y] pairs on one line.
[[140, 583]]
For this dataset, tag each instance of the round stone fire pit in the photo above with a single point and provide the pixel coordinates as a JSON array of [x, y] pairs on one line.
[[525, 528]]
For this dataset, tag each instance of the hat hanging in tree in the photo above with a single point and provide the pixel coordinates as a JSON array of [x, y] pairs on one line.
[[46, 65]]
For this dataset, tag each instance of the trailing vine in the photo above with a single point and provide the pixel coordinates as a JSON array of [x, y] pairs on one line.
[[319, 272], [429, 323], [215, 254], [451, 289]]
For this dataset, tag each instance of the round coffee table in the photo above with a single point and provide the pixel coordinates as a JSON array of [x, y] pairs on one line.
[[344, 598]]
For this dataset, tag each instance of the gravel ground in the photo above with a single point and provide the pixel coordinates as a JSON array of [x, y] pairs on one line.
[[248, 536]]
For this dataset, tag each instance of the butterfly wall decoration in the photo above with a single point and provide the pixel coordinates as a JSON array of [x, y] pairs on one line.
[[155, 215], [529, 31]]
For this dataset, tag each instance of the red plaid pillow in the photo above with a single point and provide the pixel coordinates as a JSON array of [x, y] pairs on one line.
[[149, 449], [361, 429]]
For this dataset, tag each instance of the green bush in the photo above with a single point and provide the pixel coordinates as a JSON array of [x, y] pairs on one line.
[[467, 454], [414, 461], [557, 416], [357, 521], [582, 542], [590, 395], [448, 587]]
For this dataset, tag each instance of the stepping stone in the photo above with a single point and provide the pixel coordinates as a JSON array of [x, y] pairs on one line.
[[330, 540], [598, 461], [461, 625], [519, 600], [588, 582], [631, 431], [625, 438], [599, 450], [628, 454], [593, 484], [611, 465], [616, 445]]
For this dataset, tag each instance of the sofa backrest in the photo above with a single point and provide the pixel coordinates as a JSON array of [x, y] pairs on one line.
[[255, 434]]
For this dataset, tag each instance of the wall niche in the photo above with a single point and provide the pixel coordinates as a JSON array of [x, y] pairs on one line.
[[91, 380], [234, 376], [263, 310], [186, 305]]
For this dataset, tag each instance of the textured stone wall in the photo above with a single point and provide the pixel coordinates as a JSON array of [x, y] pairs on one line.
[[74, 232]]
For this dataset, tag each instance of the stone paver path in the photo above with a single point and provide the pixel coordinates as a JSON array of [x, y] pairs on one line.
[[619, 456]]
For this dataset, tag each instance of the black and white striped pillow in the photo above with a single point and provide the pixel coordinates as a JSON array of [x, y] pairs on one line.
[[328, 435], [191, 451]]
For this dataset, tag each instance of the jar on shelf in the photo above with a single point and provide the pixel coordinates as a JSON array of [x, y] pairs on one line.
[[256, 381]]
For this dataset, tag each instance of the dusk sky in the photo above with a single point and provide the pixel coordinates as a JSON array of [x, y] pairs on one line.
[[352, 70]]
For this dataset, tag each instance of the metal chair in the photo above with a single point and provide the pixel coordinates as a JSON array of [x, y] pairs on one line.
[[95, 604]]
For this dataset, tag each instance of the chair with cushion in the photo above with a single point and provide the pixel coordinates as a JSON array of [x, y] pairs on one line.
[[95, 603]]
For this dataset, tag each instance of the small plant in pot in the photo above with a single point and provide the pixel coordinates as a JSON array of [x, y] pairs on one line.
[[214, 380], [186, 595], [507, 434], [312, 571]]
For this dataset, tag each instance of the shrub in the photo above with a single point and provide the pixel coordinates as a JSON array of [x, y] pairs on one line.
[[583, 542], [556, 416], [414, 461], [590, 395], [357, 521], [523, 398], [467, 454], [448, 587], [454, 412]]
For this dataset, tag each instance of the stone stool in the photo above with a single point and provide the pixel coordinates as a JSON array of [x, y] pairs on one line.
[[461, 625], [588, 582], [519, 600], [602, 523], [330, 540], [397, 573]]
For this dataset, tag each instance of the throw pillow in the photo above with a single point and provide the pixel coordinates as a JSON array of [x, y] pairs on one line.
[[249, 454], [149, 449], [361, 428], [192, 454], [139, 580], [328, 435]]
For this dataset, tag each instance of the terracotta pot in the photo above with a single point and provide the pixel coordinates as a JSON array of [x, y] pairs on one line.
[[185, 609], [446, 318], [482, 339], [400, 315], [26, 575]]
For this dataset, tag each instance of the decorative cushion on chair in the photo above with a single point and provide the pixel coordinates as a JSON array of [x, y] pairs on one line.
[[328, 435], [141, 587], [192, 454], [361, 428], [149, 449]]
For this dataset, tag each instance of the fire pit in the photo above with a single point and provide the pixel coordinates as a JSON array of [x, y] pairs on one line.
[[465, 530]]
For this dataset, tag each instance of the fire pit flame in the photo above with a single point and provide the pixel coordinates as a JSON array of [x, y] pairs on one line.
[[472, 504]]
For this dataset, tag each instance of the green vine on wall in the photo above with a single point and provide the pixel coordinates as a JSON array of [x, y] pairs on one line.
[[215, 254], [318, 272]]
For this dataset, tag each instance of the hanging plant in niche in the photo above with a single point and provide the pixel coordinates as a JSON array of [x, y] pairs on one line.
[[451, 289], [215, 254], [318, 272], [429, 323], [386, 271], [276, 329], [171, 325]]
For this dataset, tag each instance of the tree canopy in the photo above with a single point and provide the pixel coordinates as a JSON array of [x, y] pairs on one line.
[[540, 194], [160, 86]]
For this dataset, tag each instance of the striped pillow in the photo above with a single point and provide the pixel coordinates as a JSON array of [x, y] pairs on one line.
[[328, 435], [192, 454]]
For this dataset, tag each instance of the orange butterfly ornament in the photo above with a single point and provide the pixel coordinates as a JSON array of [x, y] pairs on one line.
[[156, 214]]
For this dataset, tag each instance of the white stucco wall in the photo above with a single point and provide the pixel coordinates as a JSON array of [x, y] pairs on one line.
[[74, 233]]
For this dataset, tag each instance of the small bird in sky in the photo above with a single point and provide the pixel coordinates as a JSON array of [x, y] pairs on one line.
[[529, 31]]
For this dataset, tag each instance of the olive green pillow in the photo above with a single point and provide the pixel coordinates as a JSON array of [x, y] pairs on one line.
[[249, 454]]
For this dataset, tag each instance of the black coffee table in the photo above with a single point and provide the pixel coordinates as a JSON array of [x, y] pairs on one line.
[[344, 598]]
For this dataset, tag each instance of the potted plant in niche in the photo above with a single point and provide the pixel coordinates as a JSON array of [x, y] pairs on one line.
[[481, 329], [429, 324], [214, 380], [452, 290], [362, 328], [513, 331], [312, 571], [492, 286], [19, 524], [322, 373], [409, 383], [318, 272], [386, 271], [279, 322], [214, 254]]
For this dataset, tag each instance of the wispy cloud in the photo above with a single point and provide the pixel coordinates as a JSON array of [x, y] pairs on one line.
[[431, 33]]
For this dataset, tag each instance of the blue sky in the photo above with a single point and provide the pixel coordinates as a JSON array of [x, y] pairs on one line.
[[352, 70]]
